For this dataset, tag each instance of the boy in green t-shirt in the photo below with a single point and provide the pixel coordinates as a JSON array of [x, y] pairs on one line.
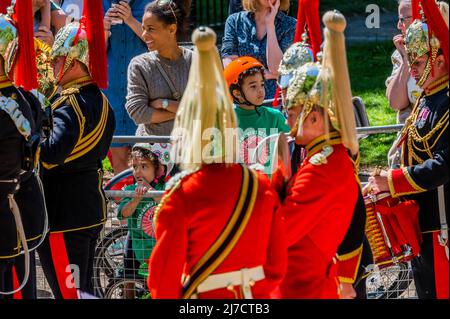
[[245, 78], [149, 174]]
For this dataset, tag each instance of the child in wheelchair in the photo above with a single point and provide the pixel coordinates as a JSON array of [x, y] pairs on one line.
[[149, 166]]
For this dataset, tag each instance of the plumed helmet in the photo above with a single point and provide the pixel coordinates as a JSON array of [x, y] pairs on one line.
[[8, 41], [427, 35], [326, 84], [295, 56], [71, 42], [17, 44], [417, 41]]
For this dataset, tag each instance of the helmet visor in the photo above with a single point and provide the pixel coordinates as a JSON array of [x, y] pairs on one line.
[[284, 80]]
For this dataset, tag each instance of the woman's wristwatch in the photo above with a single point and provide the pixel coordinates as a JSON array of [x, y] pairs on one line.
[[165, 104]]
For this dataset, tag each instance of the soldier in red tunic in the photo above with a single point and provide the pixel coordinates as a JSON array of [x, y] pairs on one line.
[[218, 230], [354, 252], [319, 205]]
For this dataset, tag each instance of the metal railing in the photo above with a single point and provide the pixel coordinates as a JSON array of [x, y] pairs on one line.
[[131, 194], [167, 139], [369, 130]]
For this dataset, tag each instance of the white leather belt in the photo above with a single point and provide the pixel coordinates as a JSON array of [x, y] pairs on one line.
[[245, 277]]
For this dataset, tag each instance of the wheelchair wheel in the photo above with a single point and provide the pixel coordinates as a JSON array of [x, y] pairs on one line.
[[118, 181], [389, 283], [109, 259], [123, 288]]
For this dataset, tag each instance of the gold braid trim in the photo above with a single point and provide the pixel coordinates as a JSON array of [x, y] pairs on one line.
[[421, 143], [391, 184], [437, 86], [80, 117], [88, 142], [356, 162], [413, 133], [351, 254], [416, 142], [411, 180]]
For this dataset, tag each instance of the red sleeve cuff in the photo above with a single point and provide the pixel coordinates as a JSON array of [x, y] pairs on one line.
[[348, 266], [401, 183]]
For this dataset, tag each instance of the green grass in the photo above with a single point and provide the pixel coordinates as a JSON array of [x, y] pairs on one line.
[[107, 165], [369, 66]]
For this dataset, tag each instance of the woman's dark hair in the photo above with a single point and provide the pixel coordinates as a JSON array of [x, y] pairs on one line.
[[169, 12]]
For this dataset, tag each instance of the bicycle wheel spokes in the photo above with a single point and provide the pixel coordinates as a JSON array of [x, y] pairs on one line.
[[109, 259], [390, 283], [126, 289]]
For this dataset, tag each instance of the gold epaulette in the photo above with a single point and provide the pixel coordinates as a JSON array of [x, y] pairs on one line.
[[321, 157], [70, 91], [321, 147]]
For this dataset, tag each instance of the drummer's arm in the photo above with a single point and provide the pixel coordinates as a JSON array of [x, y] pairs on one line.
[[422, 177]]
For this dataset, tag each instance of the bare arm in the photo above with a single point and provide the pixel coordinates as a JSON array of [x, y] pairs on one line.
[[45, 15], [172, 108], [397, 89], [123, 11], [107, 24], [273, 50], [160, 116], [397, 86], [130, 208], [59, 19], [136, 26]]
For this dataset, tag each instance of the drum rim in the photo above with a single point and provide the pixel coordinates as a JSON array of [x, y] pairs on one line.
[[373, 198]]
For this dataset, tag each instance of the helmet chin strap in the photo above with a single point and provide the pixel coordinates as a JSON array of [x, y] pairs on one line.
[[67, 63], [426, 74], [428, 67], [246, 102]]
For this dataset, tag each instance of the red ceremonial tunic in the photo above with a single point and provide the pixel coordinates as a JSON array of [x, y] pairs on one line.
[[192, 218], [318, 210]]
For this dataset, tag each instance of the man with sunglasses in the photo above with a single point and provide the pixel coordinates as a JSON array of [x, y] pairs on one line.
[[402, 91]]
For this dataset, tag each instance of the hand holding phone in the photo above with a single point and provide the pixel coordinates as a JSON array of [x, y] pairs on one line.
[[120, 10]]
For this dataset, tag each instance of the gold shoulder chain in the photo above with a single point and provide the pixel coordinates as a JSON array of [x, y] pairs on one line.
[[419, 143]]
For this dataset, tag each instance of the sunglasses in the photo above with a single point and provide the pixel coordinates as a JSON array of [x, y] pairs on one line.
[[168, 2]]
